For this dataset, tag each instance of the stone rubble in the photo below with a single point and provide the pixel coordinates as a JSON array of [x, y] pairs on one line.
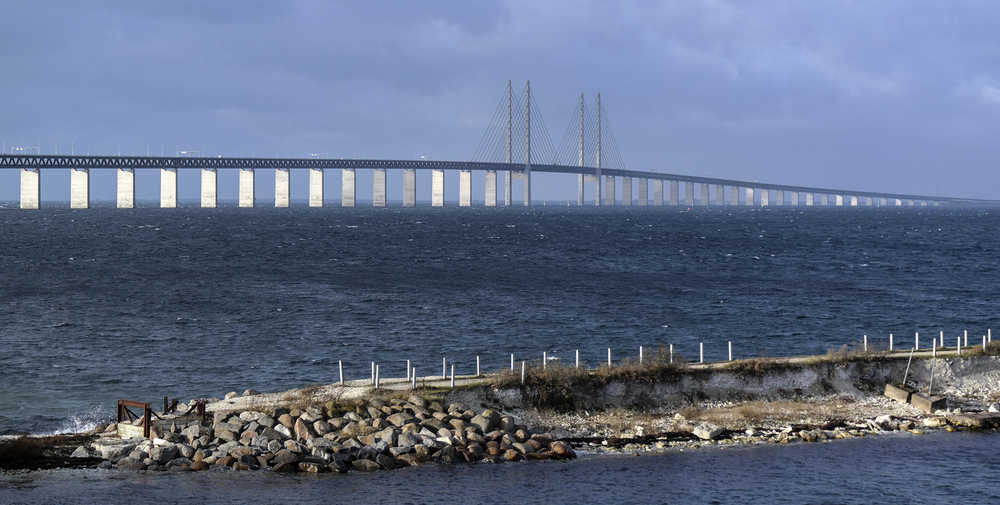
[[368, 435]]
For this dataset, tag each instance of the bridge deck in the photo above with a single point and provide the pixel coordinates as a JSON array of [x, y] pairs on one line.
[[40, 161]]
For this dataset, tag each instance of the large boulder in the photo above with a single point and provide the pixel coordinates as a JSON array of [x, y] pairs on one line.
[[322, 427], [400, 418], [707, 431], [365, 465], [161, 454], [302, 431], [285, 456]]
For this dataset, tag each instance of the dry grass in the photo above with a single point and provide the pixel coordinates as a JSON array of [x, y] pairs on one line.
[[759, 412]]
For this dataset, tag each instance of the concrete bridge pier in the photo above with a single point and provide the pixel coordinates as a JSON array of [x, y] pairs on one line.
[[689, 194], [379, 188], [824, 200], [779, 198], [125, 188], [246, 188], [720, 195], [168, 188], [527, 187], [795, 199], [765, 195], [315, 187], [79, 188], [437, 188], [508, 188], [580, 179], [209, 188], [31, 188], [626, 191], [491, 189], [658, 192], [883, 202], [465, 188], [748, 199], [643, 198], [810, 198], [838, 200], [704, 195], [854, 201], [281, 188], [348, 187], [598, 190], [673, 195], [409, 187], [610, 192]]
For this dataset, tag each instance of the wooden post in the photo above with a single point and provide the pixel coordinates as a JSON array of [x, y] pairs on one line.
[[984, 343], [147, 420], [965, 340], [865, 345], [578, 358], [916, 340], [340, 367], [477, 367], [730, 350], [890, 341], [453, 376], [444, 367], [934, 348], [609, 357], [941, 338], [522, 372], [671, 354], [959, 346], [989, 334], [511, 362], [373, 373], [640, 354], [701, 352], [413, 378], [545, 359], [376, 377], [407, 369]]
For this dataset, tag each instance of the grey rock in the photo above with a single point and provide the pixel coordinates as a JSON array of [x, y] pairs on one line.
[[162, 454], [400, 418], [285, 456], [365, 465], [387, 462], [285, 432], [130, 464], [80, 452], [407, 440], [223, 433], [266, 420], [186, 450], [322, 427], [250, 416], [707, 431]]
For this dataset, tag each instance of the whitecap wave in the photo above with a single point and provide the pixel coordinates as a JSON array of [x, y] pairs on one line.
[[80, 423]]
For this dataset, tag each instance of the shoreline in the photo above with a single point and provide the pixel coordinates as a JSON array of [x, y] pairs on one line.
[[652, 408]]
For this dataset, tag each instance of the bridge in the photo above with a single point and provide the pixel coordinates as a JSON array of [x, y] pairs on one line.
[[638, 187]]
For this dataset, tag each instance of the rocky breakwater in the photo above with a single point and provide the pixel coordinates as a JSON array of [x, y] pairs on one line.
[[366, 435]]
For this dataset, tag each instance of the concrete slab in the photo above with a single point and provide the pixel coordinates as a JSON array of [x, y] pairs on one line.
[[928, 404], [898, 392]]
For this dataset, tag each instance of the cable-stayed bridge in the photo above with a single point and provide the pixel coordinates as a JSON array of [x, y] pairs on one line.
[[514, 145]]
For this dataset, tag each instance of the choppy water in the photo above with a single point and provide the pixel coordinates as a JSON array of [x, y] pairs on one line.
[[931, 469], [102, 304]]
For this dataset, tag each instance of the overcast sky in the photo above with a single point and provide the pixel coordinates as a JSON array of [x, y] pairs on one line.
[[882, 96]]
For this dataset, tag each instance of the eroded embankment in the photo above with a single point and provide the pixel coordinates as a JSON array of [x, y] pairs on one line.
[[654, 406]]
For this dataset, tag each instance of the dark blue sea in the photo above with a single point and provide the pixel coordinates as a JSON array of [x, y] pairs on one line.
[[102, 304]]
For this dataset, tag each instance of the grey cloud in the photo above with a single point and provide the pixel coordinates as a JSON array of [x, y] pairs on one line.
[[896, 96]]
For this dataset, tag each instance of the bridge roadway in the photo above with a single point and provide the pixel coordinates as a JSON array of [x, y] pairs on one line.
[[29, 165]]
